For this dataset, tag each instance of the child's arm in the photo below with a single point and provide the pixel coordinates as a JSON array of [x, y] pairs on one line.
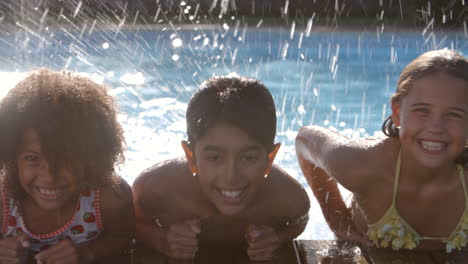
[[287, 199], [178, 241], [335, 211], [118, 222], [352, 163], [14, 249], [264, 240], [119, 227]]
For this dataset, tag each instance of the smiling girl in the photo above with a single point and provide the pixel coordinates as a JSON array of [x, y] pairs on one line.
[[226, 190], [60, 197], [409, 188]]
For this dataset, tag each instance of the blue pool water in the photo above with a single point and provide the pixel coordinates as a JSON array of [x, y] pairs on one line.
[[337, 79]]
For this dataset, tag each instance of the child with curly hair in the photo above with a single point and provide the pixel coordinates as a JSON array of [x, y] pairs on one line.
[[61, 201]]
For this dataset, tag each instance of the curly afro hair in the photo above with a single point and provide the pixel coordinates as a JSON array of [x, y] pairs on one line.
[[76, 121]]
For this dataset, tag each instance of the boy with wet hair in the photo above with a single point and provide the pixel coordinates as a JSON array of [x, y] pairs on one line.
[[225, 192]]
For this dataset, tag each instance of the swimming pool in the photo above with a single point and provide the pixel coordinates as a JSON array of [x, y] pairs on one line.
[[338, 79]]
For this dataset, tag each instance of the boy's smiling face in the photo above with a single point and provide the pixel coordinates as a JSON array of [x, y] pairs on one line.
[[47, 189], [230, 167]]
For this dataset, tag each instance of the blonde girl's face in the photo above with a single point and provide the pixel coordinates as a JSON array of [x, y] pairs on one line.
[[47, 190], [433, 119]]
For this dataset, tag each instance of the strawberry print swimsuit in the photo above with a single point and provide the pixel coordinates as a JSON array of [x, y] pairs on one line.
[[85, 225]]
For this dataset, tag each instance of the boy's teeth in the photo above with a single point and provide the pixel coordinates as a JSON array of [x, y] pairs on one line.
[[231, 194], [432, 146]]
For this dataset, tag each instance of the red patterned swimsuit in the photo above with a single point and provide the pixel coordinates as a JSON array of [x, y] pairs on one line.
[[85, 225]]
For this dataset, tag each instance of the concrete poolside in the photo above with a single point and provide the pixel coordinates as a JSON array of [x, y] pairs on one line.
[[313, 252]]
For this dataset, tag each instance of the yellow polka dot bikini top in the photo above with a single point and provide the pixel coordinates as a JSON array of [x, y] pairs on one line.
[[392, 229]]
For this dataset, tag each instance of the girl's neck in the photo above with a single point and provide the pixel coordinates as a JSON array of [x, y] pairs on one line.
[[41, 221], [414, 172]]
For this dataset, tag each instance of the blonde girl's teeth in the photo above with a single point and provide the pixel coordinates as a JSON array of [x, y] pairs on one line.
[[429, 145]]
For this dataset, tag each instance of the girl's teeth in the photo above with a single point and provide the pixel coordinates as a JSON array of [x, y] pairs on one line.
[[432, 146], [48, 191], [52, 193]]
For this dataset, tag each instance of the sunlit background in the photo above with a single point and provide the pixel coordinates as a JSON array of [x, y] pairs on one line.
[[321, 66]]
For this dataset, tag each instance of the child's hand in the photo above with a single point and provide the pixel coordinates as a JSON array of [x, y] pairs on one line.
[[14, 249], [62, 252], [350, 232], [262, 242], [181, 240]]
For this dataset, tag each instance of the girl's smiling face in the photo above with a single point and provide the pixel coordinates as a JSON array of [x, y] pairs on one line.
[[433, 119], [48, 190], [230, 167]]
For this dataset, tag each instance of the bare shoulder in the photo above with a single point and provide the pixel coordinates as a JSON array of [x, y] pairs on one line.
[[286, 194], [160, 178], [281, 179], [117, 196], [352, 162], [117, 211], [164, 188], [329, 140]]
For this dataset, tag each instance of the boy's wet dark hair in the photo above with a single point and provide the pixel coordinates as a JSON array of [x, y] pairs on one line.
[[240, 101], [75, 120], [429, 63]]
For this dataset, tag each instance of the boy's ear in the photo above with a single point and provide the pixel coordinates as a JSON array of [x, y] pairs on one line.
[[396, 113], [190, 157], [271, 157]]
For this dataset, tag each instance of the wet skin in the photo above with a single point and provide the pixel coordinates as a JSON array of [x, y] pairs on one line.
[[230, 167], [48, 193], [433, 121], [227, 203]]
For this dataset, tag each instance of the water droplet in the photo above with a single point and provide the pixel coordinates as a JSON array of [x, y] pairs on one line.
[[175, 57], [259, 23], [105, 45], [177, 42], [316, 92], [225, 26], [301, 109]]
